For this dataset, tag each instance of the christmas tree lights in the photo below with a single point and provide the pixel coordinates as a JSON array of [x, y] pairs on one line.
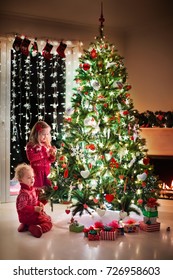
[[102, 160]]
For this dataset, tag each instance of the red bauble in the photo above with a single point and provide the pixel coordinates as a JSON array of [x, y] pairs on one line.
[[95, 200], [91, 147], [67, 211], [93, 53], [85, 205], [128, 87], [146, 161], [55, 188], [126, 112], [86, 66], [160, 117], [66, 173], [109, 197]]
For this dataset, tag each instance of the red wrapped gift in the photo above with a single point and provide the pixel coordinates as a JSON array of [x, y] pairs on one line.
[[93, 237], [149, 228], [131, 226]]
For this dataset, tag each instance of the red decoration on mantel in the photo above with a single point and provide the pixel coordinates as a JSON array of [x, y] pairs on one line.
[[34, 48], [24, 46], [60, 49], [46, 51], [17, 43]]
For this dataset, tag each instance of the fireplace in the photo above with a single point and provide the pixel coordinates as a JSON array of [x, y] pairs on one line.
[[159, 142], [163, 167]]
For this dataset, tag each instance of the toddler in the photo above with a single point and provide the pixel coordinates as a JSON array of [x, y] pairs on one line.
[[30, 210]]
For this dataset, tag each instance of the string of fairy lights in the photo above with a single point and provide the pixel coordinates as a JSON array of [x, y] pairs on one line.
[[38, 89]]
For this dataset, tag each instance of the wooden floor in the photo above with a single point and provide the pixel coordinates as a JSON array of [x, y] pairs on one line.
[[60, 244]]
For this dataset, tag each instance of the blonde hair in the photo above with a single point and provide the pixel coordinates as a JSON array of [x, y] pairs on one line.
[[21, 169], [38, 126]]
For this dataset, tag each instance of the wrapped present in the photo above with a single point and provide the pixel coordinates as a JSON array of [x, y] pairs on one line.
[[120, 230], [149, 228], [131, 226], [98, 225], [107, 228], [150, 214], [87, 230], [93, 235], [150, 221], [151, 209], [152, 204], [108, 235], [76, 227]]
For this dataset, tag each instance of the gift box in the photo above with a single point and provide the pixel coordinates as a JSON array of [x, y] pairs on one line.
[[128, 228], [151, 209], [85, 233], [151, 220], [149, 228], [108, 235], [120, 231], [87, 230], [149, 213], [93, 235], [76, 227]]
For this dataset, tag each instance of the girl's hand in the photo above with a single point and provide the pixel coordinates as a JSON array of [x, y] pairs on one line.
[[41, 205], [53, 150]]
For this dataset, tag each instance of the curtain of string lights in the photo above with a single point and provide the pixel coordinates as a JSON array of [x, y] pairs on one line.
[[37, 92]]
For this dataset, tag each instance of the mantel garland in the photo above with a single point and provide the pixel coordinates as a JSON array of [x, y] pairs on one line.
[[160, 119]]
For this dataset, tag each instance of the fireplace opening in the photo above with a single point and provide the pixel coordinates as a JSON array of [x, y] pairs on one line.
[[163, 167]]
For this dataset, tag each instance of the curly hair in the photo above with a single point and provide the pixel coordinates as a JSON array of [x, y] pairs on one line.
[[21, 169]]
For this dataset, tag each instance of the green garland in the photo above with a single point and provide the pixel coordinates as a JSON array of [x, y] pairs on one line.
[[154, 119]]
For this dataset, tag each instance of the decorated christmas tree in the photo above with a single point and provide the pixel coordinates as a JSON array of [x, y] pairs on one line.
[[102, 160]]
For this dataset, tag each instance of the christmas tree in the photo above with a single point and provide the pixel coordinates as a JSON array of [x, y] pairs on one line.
[[102, 160]]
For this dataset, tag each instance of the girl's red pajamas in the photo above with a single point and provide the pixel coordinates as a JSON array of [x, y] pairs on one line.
[[25, 203], [40, 161]]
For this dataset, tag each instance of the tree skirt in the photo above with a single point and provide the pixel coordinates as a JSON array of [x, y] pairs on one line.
[[62, 219]]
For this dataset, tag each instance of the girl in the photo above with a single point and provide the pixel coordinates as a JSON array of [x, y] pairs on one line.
[[41, 154], [30, 210]]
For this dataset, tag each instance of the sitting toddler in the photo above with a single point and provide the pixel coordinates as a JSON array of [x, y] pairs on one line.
[[30, 210]]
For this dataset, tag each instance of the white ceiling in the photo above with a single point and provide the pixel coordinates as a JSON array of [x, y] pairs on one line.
[[119, 14]]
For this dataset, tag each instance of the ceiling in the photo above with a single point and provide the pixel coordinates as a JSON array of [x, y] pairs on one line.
[[118, 14]]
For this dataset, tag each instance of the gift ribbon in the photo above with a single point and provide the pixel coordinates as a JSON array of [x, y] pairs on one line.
[[150, 214]]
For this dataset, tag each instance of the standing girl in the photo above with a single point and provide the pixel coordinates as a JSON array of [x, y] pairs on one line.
[[41, 154]]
